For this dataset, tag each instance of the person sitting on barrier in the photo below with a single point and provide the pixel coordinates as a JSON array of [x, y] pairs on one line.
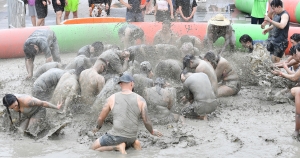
[[199, 95], [91, 81], [129, 34], [278, 42], [93, 50], [248, 43], [95, 3], [33, 110], [200, 65], [40, 41], [165, 35], [143, 80], [231, 84], [58, 7], [219, 26]]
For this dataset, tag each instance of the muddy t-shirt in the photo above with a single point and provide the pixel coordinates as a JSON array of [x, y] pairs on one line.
[[187, 6], [47, 80], [85, 50], [43, 39], [114, 61]]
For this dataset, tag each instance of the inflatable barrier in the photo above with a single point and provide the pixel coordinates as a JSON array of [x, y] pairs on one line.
[[291, 6], [72, 37]]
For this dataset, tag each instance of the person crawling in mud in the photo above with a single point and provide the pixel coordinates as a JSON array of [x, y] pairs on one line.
[[93, 50], [32, 109], [161, 99], [126, 107], [45, 67], [231, 84], [44, 84], [81, 61], [199, 96], [129, 34], [67, 89], [219, 26], [117, 60], [165, 35], [169, 70], [200, 65], [40, 41], [91, 82], [248, 43], [143, 80], [187, 49]]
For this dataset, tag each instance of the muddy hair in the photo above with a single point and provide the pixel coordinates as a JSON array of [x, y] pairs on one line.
[[8, 100], [98, 46], [186, 60], [78, 70], [292, 50], [212, 58], [295, 37], [159, 83], [145, 66], [187, 38], [245, 38], [30, 50], [297, 47], [276, 3]]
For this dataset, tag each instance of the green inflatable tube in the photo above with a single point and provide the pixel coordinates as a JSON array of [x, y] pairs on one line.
[[297, 12]]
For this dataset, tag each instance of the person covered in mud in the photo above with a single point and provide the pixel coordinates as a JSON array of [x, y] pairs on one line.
[[67, 89], [40, 41], [126, 107], [165, 35], [200, 65], [93, 50], [32, 109], [44, 85], [129, 34], [161, 99], [189, 39], [143, 80], [278, 42], [91, 82], [117, 60], [45, 67], [81, 61], [231, 84], [187, 48], [169, 70], [199, 96], [219, 26], [248, 43]]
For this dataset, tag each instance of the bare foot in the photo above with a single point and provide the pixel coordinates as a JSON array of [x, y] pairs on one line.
[[137, 145], [121, 148]]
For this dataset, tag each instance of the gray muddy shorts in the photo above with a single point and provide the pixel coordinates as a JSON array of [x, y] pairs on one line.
[[199, 108], [110, 140]]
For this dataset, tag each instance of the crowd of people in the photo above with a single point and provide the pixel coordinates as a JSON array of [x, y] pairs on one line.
[[162, 83]]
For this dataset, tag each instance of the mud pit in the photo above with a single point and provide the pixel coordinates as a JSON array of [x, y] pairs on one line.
[[249, 124]]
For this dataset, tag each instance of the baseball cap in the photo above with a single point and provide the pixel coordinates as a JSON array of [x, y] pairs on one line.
[[126, 78]]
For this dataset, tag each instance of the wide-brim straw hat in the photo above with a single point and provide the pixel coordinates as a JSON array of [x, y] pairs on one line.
[[219, 20]]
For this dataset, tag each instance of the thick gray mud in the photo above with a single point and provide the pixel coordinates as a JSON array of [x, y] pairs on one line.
[[246, 125]]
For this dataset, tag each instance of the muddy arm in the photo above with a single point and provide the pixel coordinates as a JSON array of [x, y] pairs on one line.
[[29, 67], [145, 116]]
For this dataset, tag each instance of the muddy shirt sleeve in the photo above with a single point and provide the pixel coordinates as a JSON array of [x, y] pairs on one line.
[[44, 47]]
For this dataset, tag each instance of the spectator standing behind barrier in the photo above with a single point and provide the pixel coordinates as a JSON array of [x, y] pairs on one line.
[[41, 11], [134, 11], [32, 11], [71, 6], [162, 11], [258, 11], [187, 9], [58, 7]]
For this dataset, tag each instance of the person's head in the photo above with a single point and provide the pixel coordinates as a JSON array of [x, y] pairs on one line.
[[297, 47], [184, 75], [187, 49], [97, 47], [187, 39], [190, 62], [126, 81], [246, 41], [31, 50], [159, 83], [101, 65], [212, 59], [166, 26], [146, 68], [277, 6], [295, 38], [292, 51], [126, 54], [10, 101]]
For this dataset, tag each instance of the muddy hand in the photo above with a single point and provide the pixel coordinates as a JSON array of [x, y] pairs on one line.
[[59, 104], [156, 133]]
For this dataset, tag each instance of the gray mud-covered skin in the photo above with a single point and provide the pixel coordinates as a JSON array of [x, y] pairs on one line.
[[43, 85], [169, 69], [129, 33], [197, 44], [141, 81], [80, 61], [115, 65], [166, 51], [45, 67]]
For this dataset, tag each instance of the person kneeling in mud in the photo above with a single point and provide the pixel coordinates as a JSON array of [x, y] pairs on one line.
[[231, 84], [126, 107], [93, 50], [161, 99], [165, 35], [32, 109], [248, 42], [199, 93], [143, 80], [129, 33]]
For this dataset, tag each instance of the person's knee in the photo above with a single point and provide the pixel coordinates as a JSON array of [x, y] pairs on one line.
[[95, 145]]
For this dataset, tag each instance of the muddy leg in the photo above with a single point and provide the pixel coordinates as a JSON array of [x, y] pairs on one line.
[[96, 146], [137, 145], [297, 115]]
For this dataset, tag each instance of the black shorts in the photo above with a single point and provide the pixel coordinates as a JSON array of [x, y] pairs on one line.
[[277, 49], [162, 15], [41, 10], [58, 7]]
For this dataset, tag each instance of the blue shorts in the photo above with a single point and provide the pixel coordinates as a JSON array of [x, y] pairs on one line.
[[110, 140], [134, 17]]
